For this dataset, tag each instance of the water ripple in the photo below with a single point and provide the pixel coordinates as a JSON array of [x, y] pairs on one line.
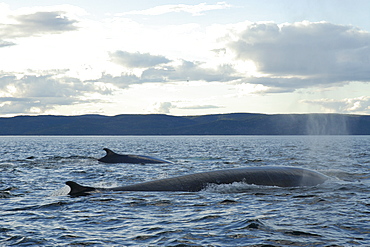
[[36, 211]]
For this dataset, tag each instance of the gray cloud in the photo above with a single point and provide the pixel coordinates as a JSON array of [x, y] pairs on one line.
[[288, 85], [4, 43], [122, 81], [14, 105], [11, 105], [186, 71], [190, 71], [200, 107], [47, 86], [37, 23], [42, 93], [292, 56], [305, 54], [137, 60]]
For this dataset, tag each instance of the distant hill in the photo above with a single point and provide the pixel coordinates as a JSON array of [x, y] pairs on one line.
[[218, 124]]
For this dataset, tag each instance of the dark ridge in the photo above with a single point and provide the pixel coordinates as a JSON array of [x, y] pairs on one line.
[[217, 124]]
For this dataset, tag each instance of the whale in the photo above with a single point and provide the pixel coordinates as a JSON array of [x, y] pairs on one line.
[[112, 157], [265, 176]]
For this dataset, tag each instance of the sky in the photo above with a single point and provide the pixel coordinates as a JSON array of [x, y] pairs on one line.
[[184, 57]]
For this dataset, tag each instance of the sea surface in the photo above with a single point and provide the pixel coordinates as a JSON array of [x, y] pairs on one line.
[[35, 209]]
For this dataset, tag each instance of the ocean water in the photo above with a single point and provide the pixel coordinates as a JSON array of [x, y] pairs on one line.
[[35, 209]]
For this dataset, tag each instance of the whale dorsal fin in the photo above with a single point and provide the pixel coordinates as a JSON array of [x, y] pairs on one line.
[[109, 152], [78, 190]]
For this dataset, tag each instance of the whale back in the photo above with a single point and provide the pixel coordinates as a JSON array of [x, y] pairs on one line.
[[112, 157], [266, 176]]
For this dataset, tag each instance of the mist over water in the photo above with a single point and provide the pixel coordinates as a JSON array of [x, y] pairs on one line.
[[327, 124], [36, 211]]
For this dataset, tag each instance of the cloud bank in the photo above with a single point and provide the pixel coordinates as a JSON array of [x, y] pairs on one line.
[[36, 24], [37, 94], [304, 54], [286, 57], [162, 69], [137, 60], [6, 43]]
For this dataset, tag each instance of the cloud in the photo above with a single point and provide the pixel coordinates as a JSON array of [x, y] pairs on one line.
[[195, 10], [37, 94], [14, 105], [275, 84], [360, 105], [122, 81], [4, 43], [304, 54], [163, 107], [185, 71], [137, 60], [10, 105], [47, 86], [34, 24], [166, 107], [200, 107], [190, 71]]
